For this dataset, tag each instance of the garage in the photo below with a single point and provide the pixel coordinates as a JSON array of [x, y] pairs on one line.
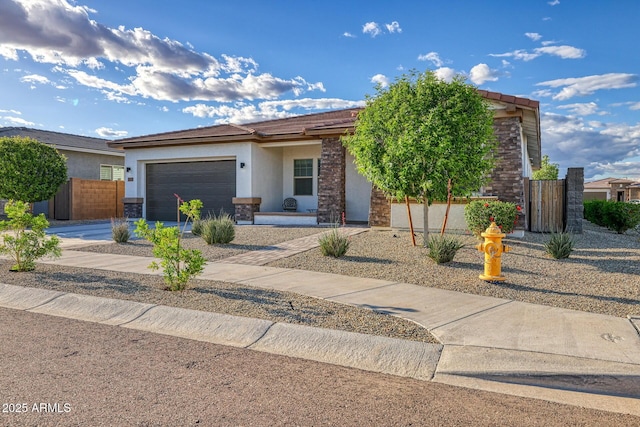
[[213, 182]]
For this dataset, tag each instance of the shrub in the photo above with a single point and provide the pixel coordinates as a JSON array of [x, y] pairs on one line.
[[616, 216], [218, 229], [334, 243], [196, 227], [479, 214], [31, 171], [559, 245], [120, 230], [179, 264], [443, 249], [28, 240]]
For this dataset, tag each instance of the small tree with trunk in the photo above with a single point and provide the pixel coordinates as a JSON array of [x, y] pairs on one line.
[[422, 137]]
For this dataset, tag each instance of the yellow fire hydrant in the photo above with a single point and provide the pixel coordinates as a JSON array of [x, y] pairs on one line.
[[493, 249]]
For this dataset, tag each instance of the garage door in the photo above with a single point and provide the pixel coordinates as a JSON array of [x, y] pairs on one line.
[[213, 182]]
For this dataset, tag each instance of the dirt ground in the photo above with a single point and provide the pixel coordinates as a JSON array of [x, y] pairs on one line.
[[62, 372]]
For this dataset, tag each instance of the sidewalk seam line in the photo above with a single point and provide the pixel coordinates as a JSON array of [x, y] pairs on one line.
[[470, 315], [362, 290]]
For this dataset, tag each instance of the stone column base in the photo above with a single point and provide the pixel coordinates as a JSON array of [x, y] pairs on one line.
[[133, 207], [245, 208]]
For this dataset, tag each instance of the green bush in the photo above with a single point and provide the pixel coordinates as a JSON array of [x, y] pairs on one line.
[[443, 249], [616, 216], [560, 245], [480, 213], [334, 243], [178, 264], [26, 240], [196, 227], [120, 230], [218, 229]]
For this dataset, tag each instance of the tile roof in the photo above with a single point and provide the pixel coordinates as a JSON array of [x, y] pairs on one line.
[[309, 126], [606, 182], [63, 141]]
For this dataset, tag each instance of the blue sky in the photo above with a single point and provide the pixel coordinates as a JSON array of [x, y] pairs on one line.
[[122, 68]]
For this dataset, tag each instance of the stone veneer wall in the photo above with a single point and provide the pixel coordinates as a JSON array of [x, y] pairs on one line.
[[507, 182], [379, 209], [574, 207], [331, 182], [245, 207], [133, 207]]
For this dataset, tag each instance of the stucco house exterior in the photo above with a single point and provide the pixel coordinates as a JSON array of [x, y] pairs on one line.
[[618, 189], [87, 158], [248, 170]]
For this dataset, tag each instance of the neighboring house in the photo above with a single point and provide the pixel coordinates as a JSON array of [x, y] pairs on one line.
[[618, 189], [250, 168], [87, 158]]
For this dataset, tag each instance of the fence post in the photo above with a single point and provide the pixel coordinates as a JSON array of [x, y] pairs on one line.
[[574, 193]]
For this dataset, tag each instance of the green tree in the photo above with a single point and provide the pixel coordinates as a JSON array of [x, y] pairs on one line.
[[31, 171], [419, 133], [547, 170]]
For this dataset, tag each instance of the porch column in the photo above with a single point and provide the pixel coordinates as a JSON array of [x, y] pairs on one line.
[[245, 207], [331, 182], [379, 209], [573, 193], [132, 207]]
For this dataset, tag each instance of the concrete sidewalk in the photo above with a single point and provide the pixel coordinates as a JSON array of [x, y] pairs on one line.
[[523, 349]]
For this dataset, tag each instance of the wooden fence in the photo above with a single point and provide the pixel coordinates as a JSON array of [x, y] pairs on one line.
[[547, 206], [80, 199]]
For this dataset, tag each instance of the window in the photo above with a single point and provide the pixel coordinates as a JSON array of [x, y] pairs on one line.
[[111, 173], [303, 177]]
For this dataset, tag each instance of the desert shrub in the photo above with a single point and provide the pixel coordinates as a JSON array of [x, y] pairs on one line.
[[560, 245], [334, 243], [120, 230], [24, 238], [178, 264], [443, 249], [196, 227], [480, 213], [218, 229], [616, 216]]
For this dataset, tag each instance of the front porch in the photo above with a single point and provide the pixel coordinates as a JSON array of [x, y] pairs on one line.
[[285, 218]]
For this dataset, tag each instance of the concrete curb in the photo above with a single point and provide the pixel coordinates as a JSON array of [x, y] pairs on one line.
[[371, 353], [367, 352]]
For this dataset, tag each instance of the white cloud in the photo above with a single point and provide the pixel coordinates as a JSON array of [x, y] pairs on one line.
[[11, 111], [267, 110], [596, 146], [394, 27], [481, 73], [17, 121], [433, 57], [348, 34], [581, 109], [380, 79], [635, 106], [564, 52], [110, 133], [63, 33], [445, 74], [554, 2], [520, 54], [35, 78], [371, 28], [580, 86], [533, 36]]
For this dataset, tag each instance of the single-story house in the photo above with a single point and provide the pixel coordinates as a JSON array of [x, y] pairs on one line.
[[250, 169], [87, 158], [618, 189]]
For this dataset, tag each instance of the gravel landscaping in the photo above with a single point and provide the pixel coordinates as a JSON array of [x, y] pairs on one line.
[[602, 275]]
